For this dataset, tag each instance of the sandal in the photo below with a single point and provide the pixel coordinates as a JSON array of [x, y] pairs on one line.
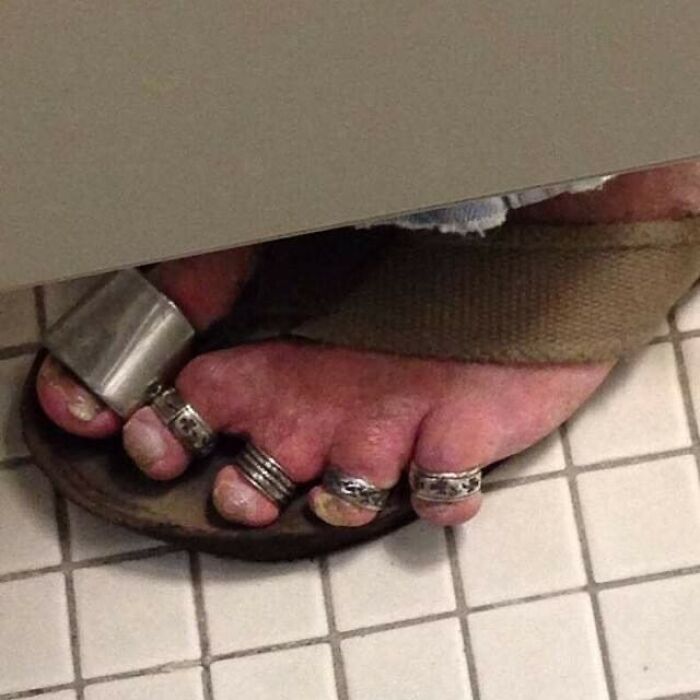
[[527, 293]]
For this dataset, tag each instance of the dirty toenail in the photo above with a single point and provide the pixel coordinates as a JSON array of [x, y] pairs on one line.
[[144, 443], [336, 512], [83, 407], [235, 499]]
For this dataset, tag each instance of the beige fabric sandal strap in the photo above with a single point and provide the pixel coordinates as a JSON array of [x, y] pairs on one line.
[[525, 293]]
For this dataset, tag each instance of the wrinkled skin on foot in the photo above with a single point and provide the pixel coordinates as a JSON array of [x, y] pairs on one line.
[[365, 413]]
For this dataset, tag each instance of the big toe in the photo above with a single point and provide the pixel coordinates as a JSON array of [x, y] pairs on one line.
[[70, 405]]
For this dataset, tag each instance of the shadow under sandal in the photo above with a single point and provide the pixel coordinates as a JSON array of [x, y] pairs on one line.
[[525, 293]]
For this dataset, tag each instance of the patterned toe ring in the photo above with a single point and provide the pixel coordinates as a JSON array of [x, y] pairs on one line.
[[354, 489], [444, 487], [184, 422]]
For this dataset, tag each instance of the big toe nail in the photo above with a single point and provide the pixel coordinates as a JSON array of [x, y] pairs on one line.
[[334, 511], [238, 501], [70, 405], [154, 449]]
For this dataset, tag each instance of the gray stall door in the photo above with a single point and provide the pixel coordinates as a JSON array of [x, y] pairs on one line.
[[133, 131]]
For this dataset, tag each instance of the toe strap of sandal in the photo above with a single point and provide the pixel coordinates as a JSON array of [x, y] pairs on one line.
[[123, 341]]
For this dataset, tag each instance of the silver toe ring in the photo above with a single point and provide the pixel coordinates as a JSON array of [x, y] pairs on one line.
[[354, 490], [266, 474], [184, 422], [444, 487]]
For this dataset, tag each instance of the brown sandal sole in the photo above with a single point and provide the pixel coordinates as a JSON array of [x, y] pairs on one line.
[[99, 476]]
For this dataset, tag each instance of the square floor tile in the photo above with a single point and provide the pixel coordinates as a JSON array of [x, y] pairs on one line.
[[27, 511], [18, 324], [135, 615], [638, 411], [34, 637], [545, 457], [691, 354], [251, 605], [411, 663], [12, 375], [544, 649], [642, 519], [688, 311], [524, 542], [92, 537], [184, 684], [62, 296], [292, 674], [653, 633], [60, 695], [386, 580]]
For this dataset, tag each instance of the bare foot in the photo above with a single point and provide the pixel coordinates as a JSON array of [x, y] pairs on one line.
[[365, 413]]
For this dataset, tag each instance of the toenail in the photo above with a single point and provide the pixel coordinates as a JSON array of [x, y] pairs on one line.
[[335, 511], [83, 406], [144, 443], [446, 514], [235, 499]]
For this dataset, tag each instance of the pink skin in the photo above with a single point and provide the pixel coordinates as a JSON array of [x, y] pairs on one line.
[[369, 414]]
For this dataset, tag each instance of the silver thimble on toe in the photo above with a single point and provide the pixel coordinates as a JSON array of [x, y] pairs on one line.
[[184, 422], [122, 339], [444, 487], [266, 474]]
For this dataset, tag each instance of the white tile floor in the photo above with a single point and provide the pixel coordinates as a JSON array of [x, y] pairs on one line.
[[580, 579]]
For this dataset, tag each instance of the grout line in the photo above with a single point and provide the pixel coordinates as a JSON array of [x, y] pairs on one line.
[[40, 308], [136, 555], [341, 682], [269, 648], [63, 523], [397, 624], [692, 695], [684, 381], [202, 626], [570, 472], [635, 459], [649, 578], [682, 335], [14, 351], [462, 612], [535, 597], [514, 481], [159, 670], [36, 692]]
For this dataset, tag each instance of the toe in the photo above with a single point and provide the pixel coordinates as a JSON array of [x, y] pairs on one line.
[[300, 454], [70, 405], [373, 448], [254, 390], [238, 501], [476, 425], [152, 447]]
